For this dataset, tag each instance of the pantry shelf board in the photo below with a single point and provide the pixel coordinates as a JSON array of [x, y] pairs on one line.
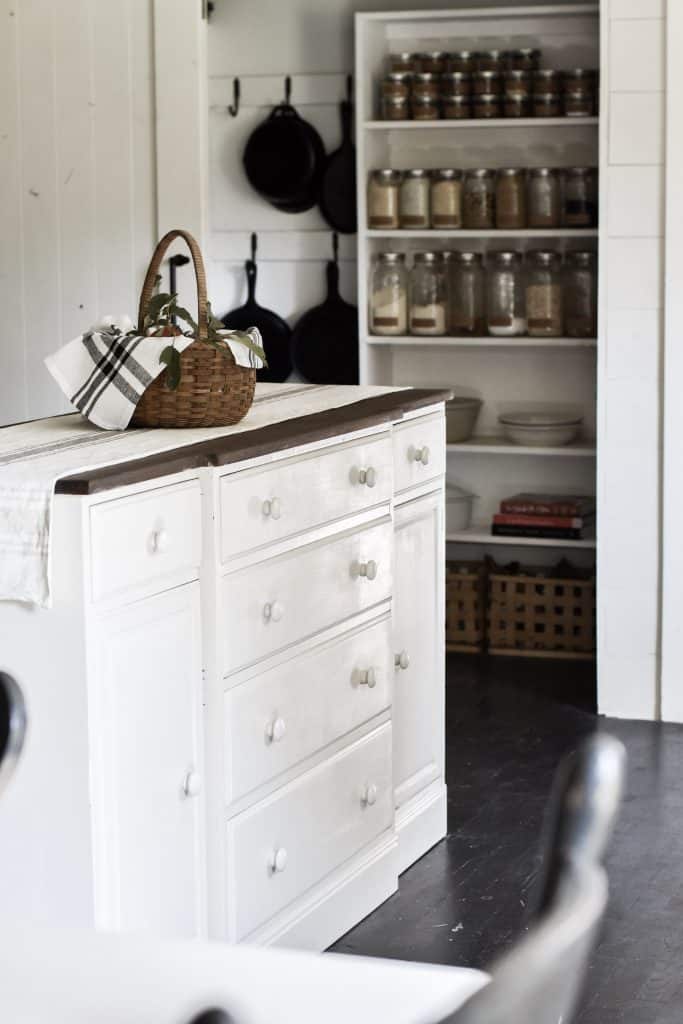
[[498, 233], [499, 446], [481, 534], [476, 122], [412, 341]]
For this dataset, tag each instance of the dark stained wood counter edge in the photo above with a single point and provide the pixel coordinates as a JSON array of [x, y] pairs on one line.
[[251, 444]]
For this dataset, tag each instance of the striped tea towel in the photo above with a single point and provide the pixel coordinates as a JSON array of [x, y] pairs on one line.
[[105, 371]]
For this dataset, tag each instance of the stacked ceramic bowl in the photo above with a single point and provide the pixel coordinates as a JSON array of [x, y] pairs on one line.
[[540, 429]]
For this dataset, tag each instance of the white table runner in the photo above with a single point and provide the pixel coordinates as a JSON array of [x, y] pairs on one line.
[[33, 456]]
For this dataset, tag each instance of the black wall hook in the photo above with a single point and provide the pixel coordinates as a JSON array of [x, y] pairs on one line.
[[234, 107], [288, 88], [254, 246]]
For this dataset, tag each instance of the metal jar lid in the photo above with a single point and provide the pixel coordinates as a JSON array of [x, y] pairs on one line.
[[462, 55], [426, 257], [543, 257], [579, 172], [401, 55], [393, 258], [387, 175], [425, 77], [489, 98], [493, 54], [457, 76], [510, 172], [546, 74], [517, 75], [447, 256], [468, 258], [488, 76], [542, 172], [396, 101], [417, 172], [590, 74], [581, 258], [456, 99], [398, 76], [526, 53], [506, 257], [479, 172], [447, 174]]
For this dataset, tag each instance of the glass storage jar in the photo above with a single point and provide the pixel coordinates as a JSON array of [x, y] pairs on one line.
[[578, 103], [461, 60], [544, 295], [413, 207], [546, 80], [479, 200], [579, 201], [580, 78], [394, 108], [388, 312], [402, 62], [581, 295], [487, 83], [546, 104], [525, 59], [492, 60], [395, 84], [511, 198], [428, 297], [456, 83], [433, 62], [424, 108], [446, 199], [486, 106], [383, 194], [543, 198], [516, 105], [467, 310], [505, 310], [517, 83], [425, 85], [456, 108]]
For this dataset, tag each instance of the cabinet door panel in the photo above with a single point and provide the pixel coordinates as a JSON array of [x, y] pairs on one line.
[[418, 713], [147, 804]]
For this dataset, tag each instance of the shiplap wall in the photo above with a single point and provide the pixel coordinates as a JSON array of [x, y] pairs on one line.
[[77, 180], [630, 392]]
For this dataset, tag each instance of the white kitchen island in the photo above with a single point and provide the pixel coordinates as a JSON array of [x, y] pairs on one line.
[[236, 699]]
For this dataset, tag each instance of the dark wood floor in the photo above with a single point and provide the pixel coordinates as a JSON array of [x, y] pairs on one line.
[[508, 723]]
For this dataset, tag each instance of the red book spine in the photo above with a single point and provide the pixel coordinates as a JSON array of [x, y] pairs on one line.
[[560, 522]]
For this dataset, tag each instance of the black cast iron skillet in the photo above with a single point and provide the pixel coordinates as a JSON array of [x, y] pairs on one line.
[[284, 158], [338, 183], [325, 340], [275, 331]]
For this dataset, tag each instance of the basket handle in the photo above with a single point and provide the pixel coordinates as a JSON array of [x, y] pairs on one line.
[[199, 273]]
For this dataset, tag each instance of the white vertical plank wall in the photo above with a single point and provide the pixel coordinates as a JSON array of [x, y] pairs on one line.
[[629, 403], [78, 196]]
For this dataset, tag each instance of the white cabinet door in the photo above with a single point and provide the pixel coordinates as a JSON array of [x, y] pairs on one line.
[[145, 766], [418, 713]]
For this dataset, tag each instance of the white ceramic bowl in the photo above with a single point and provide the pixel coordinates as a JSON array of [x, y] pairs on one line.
[[458, 509], [541, 436], [461, 416]]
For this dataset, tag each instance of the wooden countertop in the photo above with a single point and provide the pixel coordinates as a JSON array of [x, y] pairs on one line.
[[251, 444]]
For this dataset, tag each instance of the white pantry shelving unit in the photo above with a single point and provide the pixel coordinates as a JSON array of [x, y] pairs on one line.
[[519, 371]]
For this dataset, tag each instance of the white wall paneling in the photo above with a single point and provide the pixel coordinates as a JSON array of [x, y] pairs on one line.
[[672, 580], [77, 206]]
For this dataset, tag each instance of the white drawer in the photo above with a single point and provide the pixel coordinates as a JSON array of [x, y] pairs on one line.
[[419, 451], [146, 542], [284, 845], [276, 603], [264, 505], [284, 715]]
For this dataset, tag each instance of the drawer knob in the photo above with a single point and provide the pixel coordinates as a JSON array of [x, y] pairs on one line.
[[368, 569], [368, 678], [159, 541], [273, 611], [402, 660], [193, 784], [278, 860], [271, 508], [275, 730], [369, 796], [367, 476], [421, 455]]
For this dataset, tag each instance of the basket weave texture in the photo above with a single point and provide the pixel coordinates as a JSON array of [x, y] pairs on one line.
[[466, 606], [213, 390], [541, 614]]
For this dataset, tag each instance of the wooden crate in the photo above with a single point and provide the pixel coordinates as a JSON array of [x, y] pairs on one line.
[[532, 614], [465, 607]]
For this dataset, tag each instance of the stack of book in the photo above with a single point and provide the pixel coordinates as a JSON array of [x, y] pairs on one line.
[[550, 516]]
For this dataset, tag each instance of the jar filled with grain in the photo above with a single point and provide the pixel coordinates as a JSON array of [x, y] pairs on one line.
[[456, 83], [516, 105], [425, 85], [456, 108], [544, 311], [543, 198], [511, 199], [479, 200], [505, 307], [383, 199], [395, 84], [580, 78], [492, 60], [487, 83], [428, 297], [462, 60], [517, 83], [547, 80], [446, 199], [402, 62], [579, 201], [395, 109], [486, 106], [546, 104], [424, 108], [525, 59], [434, 62], [467, 310], [388, 312], [578, 103], [414, 199], [581, 295]]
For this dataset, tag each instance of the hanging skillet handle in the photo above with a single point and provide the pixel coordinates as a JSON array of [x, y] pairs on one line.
[[250, 268], [199, 273], [332, 279]]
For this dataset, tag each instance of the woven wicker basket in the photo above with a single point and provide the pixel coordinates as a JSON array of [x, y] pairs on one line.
[[213, 390], [466, 607]]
